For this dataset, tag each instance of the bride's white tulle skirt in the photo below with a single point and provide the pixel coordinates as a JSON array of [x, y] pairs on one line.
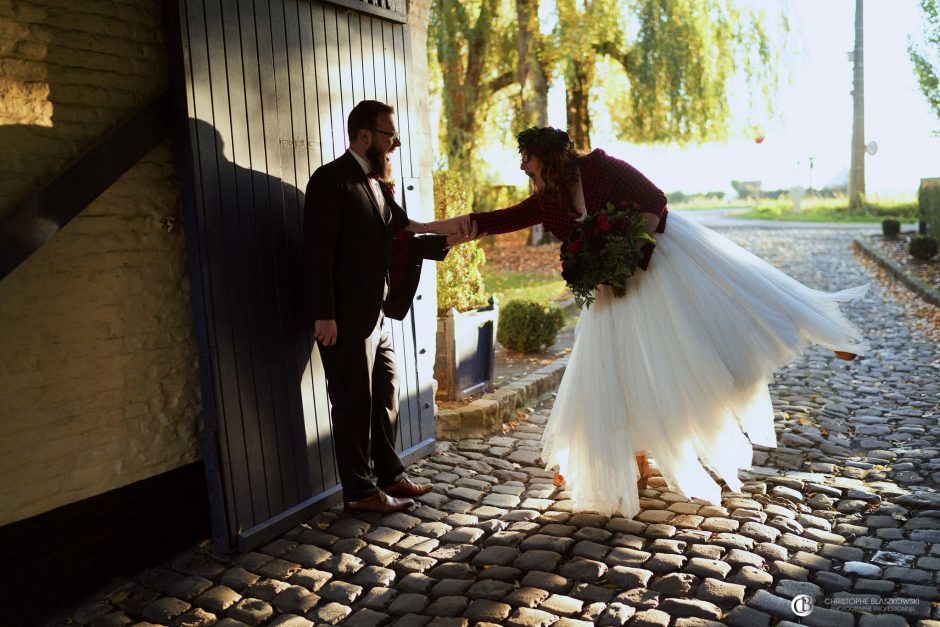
[[678, 368]]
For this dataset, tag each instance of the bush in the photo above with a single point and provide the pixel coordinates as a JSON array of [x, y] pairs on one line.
[[890, 228], [928, 200], [922, 247], [526, 326], [459, 282]]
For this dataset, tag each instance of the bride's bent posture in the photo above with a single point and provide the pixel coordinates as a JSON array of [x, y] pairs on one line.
[[678, 367]]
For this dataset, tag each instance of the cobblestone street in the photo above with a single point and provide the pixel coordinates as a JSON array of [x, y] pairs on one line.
[[845, 511]]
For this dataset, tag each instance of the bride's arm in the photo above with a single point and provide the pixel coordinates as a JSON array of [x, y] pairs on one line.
[[450, 226], [652, 222]]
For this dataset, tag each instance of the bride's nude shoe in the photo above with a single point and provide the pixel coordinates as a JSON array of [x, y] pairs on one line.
[[643, 465], [844, 355]]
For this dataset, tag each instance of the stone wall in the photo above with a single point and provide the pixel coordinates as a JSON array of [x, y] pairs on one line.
[[99, 381], [70, 70]]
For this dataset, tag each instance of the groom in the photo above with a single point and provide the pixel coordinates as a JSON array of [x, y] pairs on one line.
[[359, 266]]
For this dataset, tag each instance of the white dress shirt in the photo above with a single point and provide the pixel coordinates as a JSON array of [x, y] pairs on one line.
[[373, 183]]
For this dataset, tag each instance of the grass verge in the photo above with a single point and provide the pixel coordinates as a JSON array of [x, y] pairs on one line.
[[834, 210], [509, 286]]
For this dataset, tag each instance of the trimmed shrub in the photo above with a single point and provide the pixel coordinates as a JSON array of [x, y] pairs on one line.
[[928, 198], [526, 326], [922, 247], [890, 228], [459, 282]]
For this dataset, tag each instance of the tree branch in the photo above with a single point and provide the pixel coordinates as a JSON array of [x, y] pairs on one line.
[[503, 80], [611, 50]]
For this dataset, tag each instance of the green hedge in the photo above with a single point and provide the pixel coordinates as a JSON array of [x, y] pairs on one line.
[[459, 282], [526, 326], [928, 197], [890, 228], [923, 247]]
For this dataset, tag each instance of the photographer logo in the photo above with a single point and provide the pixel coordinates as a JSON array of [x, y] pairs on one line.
[[802, 605]]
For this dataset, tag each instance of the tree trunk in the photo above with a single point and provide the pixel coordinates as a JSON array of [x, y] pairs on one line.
[[579, 77], [857, 169], [533, 83], [465, 52]]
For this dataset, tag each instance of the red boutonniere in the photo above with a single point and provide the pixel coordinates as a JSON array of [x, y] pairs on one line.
[[390, 184]]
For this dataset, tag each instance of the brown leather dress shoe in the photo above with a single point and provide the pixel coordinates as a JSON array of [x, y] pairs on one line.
[[379, 502], [407, 488]]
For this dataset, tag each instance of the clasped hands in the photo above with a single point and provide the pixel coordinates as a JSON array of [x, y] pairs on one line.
[[458, 230]]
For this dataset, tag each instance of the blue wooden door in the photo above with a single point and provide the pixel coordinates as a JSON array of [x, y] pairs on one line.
[[268, 86]]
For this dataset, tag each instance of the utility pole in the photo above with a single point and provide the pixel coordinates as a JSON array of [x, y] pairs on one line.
[[857, 168]]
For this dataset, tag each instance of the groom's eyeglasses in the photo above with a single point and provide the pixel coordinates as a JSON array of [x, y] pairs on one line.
[[394, 136]]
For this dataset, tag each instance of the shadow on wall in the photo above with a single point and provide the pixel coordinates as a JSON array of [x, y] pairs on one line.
[[250, 251], [70, 73], [25, 104]]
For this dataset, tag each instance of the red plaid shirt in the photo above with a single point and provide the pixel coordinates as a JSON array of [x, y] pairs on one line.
[[604, 179]]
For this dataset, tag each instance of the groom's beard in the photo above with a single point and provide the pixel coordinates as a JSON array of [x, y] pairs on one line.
[[379, 162]]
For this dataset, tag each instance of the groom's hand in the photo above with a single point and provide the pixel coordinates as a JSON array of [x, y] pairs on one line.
[[461, 238], [325, 332], [464, 226]]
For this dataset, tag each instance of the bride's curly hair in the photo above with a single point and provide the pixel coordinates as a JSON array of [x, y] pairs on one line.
[[559, 162]]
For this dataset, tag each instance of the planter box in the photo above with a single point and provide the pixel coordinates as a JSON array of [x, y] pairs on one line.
[[466, 352]]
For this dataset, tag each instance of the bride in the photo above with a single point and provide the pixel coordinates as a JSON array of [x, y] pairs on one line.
[[678, 367]]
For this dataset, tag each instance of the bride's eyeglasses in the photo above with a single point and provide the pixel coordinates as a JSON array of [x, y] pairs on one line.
[[393, 136], [525, 157]]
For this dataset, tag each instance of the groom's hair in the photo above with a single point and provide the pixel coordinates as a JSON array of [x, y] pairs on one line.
[[364, 115]]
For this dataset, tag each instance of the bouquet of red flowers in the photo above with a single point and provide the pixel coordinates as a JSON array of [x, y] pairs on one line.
[[604, 249]]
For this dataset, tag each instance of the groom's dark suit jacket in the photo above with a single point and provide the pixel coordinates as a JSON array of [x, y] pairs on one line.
[[350, 252]]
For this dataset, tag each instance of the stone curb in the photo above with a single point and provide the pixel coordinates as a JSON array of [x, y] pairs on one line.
[[490, 412], [928, 294]]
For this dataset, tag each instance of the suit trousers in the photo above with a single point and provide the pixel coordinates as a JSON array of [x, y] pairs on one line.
[[362, 383]]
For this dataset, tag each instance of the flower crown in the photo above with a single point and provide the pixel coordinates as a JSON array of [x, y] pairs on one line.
[[542, 140]]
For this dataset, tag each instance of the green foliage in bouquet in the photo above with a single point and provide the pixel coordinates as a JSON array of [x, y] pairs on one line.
[[459, 282], [526, 326], [604, 249], [890, 228], [923, 247]]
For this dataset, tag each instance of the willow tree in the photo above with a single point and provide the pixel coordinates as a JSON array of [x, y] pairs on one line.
[[926, 57], [579, 31], [535, 60], [475, 46], [683, 61]]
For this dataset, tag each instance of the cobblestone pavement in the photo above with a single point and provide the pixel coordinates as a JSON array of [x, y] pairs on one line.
[[845, 511]]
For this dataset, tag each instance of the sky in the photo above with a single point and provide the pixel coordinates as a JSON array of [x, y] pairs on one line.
[[815, 108]]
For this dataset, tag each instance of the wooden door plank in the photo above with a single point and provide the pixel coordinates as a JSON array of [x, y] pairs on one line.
[[403, 103], [321, 456], [231, 224], [339, 108], [354, 28], [206, 141], [296, 343], [216, 456]]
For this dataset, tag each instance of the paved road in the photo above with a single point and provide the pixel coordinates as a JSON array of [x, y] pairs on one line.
[[845, 511], [727, 218]]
